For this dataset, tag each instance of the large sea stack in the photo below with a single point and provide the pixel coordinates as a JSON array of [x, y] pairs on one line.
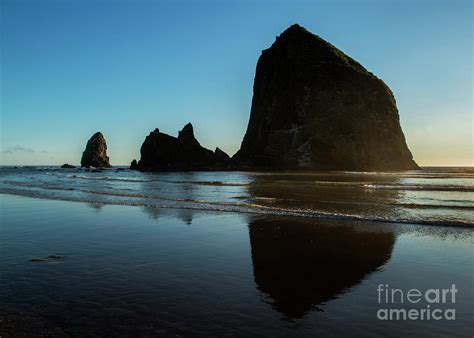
[[95, 154], [316, 108], [162, 152]]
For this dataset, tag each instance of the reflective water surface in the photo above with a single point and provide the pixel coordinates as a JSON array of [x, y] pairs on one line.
[[443, 196], [301, 265], [147, 271]]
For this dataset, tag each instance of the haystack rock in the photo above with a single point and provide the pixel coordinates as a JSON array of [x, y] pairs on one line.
[[95, 154], [162, 152], [316, 108]]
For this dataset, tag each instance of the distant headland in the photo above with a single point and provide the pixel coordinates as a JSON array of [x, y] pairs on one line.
[[313, 108]]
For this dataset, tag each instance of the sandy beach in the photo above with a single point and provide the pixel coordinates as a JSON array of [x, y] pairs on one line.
[[138, 271]]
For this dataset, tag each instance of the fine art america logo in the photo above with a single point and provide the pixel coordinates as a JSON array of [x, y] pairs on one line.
[[416, 304]]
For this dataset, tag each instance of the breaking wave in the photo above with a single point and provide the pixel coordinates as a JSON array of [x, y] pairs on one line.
[[222, 206]]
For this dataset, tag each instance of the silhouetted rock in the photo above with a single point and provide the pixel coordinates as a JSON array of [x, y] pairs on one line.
[[221, 156], [163, 152], [95, 154], [134, 164], [47, 259], [67, 166], [39, 260], [314, 107]]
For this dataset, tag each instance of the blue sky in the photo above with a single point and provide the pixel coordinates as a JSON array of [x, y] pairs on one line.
[[71, 68]]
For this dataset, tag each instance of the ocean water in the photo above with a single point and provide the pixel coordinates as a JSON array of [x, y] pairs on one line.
[[433, 196], [217, 254]]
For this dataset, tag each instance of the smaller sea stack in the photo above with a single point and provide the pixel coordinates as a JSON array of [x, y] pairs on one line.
[[95, 154]]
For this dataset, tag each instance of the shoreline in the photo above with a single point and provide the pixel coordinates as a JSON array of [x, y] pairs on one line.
[[288, 213]]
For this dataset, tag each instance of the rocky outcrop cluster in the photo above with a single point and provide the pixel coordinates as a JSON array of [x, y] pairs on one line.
[[313, 108], [163, 152]]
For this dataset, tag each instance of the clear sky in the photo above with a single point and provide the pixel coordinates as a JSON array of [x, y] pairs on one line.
[[71, 68]]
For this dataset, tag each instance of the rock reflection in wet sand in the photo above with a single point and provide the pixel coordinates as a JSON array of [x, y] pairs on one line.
[[300, 264]]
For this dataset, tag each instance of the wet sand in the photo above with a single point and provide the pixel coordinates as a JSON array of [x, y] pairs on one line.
[[77, 269]]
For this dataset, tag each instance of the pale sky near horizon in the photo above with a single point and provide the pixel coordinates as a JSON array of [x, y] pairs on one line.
[[71, 68]]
